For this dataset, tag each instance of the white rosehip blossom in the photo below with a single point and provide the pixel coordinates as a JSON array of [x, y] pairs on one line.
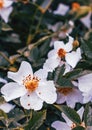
[[85, 86], [5, 9], [33, 90], [6, 107], [68, 125], [61, 51], [69, 95]]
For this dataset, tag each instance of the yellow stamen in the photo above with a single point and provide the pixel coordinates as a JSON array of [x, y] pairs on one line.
[[1, 4], [61, 53], [31, 83]]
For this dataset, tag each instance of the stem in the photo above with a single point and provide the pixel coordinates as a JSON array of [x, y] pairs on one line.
[[5, 57]]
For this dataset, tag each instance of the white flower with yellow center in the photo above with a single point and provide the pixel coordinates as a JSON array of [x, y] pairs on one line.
[[62, 51], [69, 95], [68, 125], [33, 90], [5, 9], [85, 86]]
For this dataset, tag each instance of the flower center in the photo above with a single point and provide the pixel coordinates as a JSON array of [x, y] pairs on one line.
[[1, 4], [61, 53], [65, 91], [31, 83]]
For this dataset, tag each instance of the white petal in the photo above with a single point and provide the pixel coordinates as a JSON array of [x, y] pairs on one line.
[[58, 125], [58, 45], [87, 97], [24, 70], [3, 80], [61, 10], [5, 12], [47, 91], [60, 98], [12, 91], [31, 101], [41, 74], [85, 83], [73, 58], [69, 44], [87, 20], [80, 112], [7, 3], [74, 97], [68, 121], [52, 53], [6, 107], [51, 64]]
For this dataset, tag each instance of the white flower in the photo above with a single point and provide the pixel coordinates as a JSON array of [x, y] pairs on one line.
[[6, 107], [60, 52], [69, 125], [61, 10], [69, 95], [5, 9], [33, 90], [85, 86]]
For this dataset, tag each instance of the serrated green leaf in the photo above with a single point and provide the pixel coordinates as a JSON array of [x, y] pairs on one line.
[[36, 121], [70, 113], [79, 128]]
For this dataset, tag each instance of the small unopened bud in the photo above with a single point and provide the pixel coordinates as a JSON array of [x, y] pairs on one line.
[[75, 43]]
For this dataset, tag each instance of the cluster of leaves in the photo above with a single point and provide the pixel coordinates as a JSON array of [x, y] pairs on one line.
[[26, 37]]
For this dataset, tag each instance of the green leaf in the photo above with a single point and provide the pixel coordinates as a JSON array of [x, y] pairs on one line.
[[89, 117], [79, 128], [36, 121], [3, 115], [64, 82], [73, 74], [6, 27], [87, 50], [70, 113], [86, 111], [44, 48]]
